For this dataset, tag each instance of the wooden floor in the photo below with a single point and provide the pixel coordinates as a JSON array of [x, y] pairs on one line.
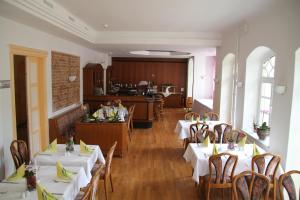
[[154, 167]]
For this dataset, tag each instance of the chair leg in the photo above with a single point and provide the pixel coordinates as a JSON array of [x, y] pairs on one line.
[[207, 191], [111, 183], [105, 190], [274, 190], [129, 134]]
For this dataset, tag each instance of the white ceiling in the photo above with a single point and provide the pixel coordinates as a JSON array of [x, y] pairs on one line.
[[163, 15], [193, 26]]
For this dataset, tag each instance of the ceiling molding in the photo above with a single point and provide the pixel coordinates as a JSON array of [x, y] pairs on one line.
[[55, 14]]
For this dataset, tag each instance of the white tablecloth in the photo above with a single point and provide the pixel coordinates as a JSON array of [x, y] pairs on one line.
[[73, 159], [198, 156], [183, 127], [45, 176]]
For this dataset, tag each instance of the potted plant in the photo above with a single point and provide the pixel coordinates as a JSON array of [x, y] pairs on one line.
[[262, 131], [30, 179]]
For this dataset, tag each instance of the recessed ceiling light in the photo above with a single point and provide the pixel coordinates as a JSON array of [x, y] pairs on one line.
[[105, 25]]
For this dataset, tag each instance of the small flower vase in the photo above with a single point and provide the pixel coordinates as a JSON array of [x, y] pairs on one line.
[[70, 145], [230, 145], [30, 180]]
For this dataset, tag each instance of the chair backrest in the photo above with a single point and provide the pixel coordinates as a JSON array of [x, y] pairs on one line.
[[286, 182], [109, 158], [221, 172], [95, 184], [197, 131], [221, 130], [211, 116], [235, 135], [266, 164], [87, 193], [19, 152], [250, 185], [189, 102], [211, 135], [191, 115]]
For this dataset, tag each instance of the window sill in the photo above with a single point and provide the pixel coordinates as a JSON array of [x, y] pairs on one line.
[[252, 137]]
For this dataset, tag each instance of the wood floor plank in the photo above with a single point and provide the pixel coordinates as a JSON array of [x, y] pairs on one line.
[[154, 167]]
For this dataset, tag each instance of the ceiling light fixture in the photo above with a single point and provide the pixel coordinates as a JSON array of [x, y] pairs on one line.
[[159, 53], [105, 25]]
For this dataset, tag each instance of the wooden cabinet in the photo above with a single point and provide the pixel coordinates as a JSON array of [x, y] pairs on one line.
[[92, 79], [103, 134]]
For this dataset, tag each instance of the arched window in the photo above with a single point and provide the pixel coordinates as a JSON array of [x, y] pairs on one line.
[[266, 88]]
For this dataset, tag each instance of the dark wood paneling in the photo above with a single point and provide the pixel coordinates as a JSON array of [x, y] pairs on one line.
[[160, 71]]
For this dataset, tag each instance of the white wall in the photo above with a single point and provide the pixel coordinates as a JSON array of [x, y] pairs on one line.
[[204, 74], [19, 34], [228, 64], [277, 28]]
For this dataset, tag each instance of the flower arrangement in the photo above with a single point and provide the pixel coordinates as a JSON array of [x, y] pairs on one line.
[[30, 179], [262, 131]]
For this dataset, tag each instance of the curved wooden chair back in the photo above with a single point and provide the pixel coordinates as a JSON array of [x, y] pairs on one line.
[[259, 164], [250, 185], [221, 130], [236, 135], [189, 102], [286, 182], [211, 116], [95, 184], [197, 131], [191, 115], [221, 171], [109, 159], [211, 135], [19, 152], [87, 193]]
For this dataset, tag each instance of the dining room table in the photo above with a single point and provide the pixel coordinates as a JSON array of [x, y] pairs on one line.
[[183, 127], [74, 158], [47, 177], [197, 154]]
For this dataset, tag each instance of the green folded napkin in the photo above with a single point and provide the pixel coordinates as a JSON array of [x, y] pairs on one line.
[[215, 150], [19, 174], [255, 150], [84, 148], [63, 173], [206, 141], [43, 194], [242, 142], [52, 147]]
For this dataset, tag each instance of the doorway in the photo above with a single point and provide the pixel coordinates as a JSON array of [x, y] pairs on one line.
[[21, 98], [29, 98]]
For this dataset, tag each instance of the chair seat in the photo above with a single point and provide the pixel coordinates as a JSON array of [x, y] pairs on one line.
[[96, 167]]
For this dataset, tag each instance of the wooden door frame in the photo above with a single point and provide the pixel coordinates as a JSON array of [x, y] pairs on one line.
[[41, 56]]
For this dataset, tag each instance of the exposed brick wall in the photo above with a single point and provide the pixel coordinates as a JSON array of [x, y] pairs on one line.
[[64, 92]]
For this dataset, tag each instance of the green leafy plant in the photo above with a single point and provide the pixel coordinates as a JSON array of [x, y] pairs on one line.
[[29, 173], [264, 127]]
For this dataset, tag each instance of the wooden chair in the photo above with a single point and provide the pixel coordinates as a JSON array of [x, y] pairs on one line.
[[211, 116], [197, 133], [19, 152], [191, 115], [221, 130], [105, 170], [219, 176], [286, 182], [91, 191], [236, 135], [211, 135], [159, 108], [250, 185], [189, 103], [131, 111], [258, 164], [130, 122]]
